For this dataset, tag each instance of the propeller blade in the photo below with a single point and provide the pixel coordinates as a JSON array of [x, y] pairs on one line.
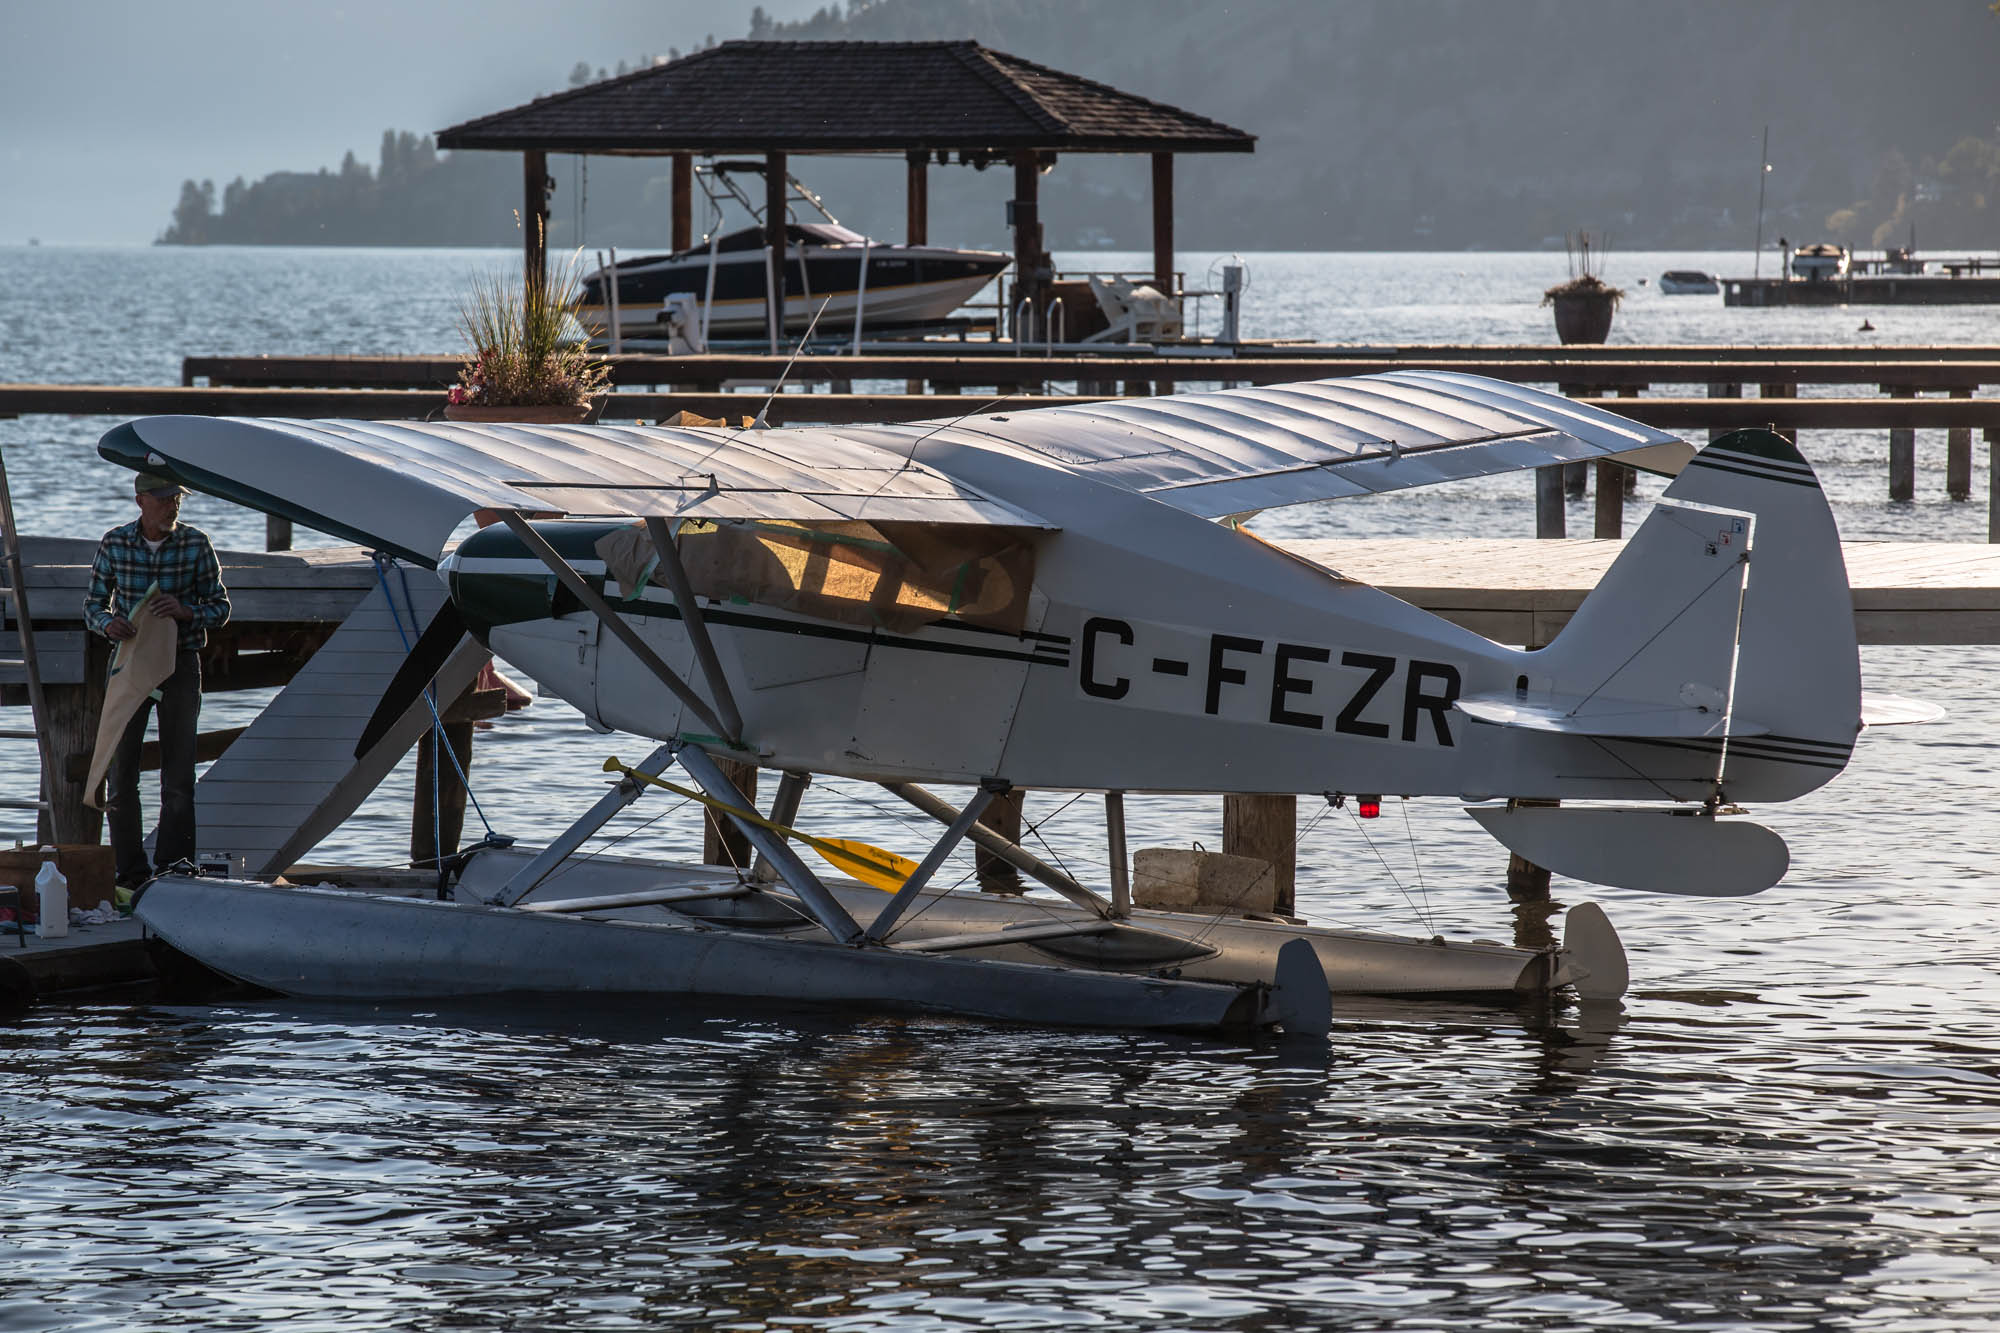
[[433, 646]]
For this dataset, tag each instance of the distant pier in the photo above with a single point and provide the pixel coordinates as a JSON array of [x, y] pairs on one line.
[[1965, 287]]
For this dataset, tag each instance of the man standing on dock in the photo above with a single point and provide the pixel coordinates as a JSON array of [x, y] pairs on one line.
[[160, 555]]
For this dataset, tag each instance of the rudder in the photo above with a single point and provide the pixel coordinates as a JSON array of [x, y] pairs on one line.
[[1687, 620]]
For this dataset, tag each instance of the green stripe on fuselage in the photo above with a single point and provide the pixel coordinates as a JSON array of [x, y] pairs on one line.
[[487, 598]]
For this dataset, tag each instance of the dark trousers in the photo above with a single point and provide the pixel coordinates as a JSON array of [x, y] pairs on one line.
[[180, 712]]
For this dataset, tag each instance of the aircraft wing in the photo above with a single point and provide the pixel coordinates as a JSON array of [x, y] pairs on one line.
[[404, 486], [1240, 450]]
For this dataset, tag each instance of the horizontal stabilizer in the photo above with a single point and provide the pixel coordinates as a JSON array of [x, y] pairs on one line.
[[1656, 849], [1896, 710], [1609, 717]]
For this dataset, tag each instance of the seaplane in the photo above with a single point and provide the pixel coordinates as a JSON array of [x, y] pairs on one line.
[[1059, 599]]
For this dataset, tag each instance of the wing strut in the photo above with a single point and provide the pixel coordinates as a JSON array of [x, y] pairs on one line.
[[826, 909], [614, 622], [1014, 855], [697, 624]]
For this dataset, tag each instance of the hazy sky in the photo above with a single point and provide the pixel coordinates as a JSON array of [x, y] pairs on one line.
[[106, 106]]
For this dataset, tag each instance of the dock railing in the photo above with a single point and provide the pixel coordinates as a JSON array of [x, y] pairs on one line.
[[1690, 389]]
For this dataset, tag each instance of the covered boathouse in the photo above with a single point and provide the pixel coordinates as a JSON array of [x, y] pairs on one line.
[[930, 102]]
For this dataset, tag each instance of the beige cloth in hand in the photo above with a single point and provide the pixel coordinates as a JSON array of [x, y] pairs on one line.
[[142, 662]]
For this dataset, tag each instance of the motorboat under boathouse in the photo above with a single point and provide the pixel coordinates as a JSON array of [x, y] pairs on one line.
[[931, 103]]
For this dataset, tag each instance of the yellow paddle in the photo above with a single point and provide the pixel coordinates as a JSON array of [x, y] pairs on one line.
[[873, 866]]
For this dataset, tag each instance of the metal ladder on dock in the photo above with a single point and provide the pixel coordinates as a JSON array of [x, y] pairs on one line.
[[14, 613]]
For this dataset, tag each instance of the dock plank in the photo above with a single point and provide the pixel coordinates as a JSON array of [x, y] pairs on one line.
[[1523, 590], [271, 821]]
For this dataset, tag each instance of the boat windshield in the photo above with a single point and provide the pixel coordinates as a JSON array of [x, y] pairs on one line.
[[826, 233], [796, 233]]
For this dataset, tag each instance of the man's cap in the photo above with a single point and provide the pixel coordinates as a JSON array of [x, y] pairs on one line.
[[150, 483]]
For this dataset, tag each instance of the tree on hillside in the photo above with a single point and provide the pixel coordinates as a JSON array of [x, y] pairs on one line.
[[192, 215]]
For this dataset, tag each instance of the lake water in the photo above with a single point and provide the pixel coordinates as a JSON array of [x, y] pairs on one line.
[[1794, 1123]]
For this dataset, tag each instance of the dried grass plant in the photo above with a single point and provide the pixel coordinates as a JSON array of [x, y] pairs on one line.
[[1585, 254], [522, 349]]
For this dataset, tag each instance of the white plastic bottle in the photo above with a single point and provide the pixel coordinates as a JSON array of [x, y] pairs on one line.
[[52, 889]]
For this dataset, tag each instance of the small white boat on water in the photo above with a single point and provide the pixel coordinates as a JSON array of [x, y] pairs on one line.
[[1688, 282], [1027, 598]]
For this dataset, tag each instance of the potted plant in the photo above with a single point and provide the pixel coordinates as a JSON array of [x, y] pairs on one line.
[[522, 363], [1584, 304]]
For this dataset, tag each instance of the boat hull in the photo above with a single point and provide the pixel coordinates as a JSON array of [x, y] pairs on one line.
[[905, 286]]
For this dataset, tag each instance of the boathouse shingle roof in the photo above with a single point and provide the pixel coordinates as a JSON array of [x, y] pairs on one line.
[[756, 96]]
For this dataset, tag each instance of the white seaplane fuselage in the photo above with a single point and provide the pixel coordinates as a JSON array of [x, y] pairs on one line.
[[1163, 653]]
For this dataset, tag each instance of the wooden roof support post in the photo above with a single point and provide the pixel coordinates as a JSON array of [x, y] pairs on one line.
[[1163, 223], [683, 220], [1027, 222], [534, 218], [774, 241], [919, 229]]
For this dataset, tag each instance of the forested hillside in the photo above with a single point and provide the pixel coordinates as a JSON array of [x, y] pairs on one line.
[[1381, 124]]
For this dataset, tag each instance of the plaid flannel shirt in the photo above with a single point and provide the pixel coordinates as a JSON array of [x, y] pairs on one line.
[[184, 566]]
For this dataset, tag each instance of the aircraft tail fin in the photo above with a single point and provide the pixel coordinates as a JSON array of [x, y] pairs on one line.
[[1719, 644]]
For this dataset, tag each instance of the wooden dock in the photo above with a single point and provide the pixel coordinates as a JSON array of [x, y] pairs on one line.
[[284, 606], [1524, 591], [1925, 369], [840, 409]]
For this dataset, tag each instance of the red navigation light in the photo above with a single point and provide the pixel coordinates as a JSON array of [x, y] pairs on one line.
[[1368, 807]]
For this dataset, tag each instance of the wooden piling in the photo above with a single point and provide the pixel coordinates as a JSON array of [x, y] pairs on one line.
[[277, 533], [1629, 475], [1902, 457], [1550, 511], [1610, 512], [1992, 485], [722, 843], [1266, 827], [1958, 456], [1576, 476], [436, 826], [72, 725], [1722, 389], [1003, 816], [1526, 881]]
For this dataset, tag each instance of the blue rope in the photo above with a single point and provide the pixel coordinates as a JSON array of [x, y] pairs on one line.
[[382, 563]]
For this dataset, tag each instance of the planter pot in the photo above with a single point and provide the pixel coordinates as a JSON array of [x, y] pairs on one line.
[[1583, 319], [551, 414]]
